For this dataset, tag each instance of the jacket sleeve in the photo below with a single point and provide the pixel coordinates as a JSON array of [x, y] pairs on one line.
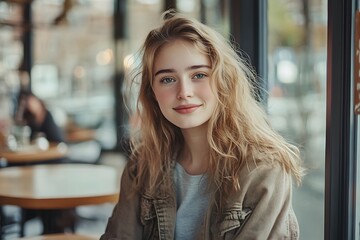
[[269, 195], [124, 222]]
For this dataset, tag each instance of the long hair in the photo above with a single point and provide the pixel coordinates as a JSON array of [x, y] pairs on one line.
[[238, 131]]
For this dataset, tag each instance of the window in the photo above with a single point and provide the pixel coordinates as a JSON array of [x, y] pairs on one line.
[[297, 40], [73, 63]]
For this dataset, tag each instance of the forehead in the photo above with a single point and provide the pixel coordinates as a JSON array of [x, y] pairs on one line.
[[179, 54]]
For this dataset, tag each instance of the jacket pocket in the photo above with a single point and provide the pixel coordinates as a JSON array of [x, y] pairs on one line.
[[233, 221], [149, 218], [147, 209]]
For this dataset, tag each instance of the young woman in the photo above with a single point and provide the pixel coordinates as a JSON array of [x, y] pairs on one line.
[[205, 164]]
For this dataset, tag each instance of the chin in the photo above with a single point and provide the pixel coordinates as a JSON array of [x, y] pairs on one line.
[[186, 126]]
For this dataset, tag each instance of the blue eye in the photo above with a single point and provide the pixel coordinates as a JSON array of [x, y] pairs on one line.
[[167, 80], [199, 75]]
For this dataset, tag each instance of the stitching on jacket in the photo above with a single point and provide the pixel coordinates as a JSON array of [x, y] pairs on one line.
[[233, 219]]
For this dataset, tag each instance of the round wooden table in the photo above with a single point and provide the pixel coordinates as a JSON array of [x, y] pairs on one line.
[[58, 186], [50, 187], [32, 154]]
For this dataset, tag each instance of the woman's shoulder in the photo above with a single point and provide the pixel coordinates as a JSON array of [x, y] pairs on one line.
[[263, 175], [262, 167], [257, 180]]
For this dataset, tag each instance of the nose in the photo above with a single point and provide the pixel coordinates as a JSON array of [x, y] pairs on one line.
[[185, 89]]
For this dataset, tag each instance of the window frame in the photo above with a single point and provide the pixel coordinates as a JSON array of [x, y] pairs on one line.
[[340, 162]]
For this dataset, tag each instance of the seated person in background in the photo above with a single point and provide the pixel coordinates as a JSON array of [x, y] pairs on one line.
[[32, 112]]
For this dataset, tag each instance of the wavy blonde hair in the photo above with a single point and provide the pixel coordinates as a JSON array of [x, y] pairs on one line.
[[238, 130]]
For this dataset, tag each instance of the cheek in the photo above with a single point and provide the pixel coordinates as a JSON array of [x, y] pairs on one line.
[[162, 97], [208, 93]]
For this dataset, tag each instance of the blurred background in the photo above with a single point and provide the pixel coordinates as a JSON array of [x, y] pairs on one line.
[[77, 53]]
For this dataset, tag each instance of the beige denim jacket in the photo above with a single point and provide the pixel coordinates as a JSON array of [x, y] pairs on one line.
[[261, 209]]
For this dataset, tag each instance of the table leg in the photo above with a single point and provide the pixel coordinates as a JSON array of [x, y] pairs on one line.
[[49, 221], [53, 221], [22, 222], [57, 221]]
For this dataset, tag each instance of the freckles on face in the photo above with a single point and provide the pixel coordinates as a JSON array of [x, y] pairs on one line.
[[182, 84]]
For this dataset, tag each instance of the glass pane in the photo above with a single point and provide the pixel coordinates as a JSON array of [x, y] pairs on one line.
[[150, 12], [216, 15], [73, 63], [11, 54], [296, 104]]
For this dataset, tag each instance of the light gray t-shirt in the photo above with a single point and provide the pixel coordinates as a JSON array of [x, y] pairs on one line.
[[192, 202]]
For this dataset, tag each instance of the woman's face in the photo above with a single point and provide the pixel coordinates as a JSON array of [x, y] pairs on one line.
[[182, 85]]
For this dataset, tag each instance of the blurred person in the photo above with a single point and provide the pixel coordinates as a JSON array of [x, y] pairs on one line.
[[33, 113], [205, 164]]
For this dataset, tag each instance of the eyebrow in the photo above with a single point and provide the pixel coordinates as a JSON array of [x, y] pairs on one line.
[[171, 70]]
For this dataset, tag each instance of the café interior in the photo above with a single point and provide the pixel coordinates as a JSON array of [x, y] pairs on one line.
[[71, 59]]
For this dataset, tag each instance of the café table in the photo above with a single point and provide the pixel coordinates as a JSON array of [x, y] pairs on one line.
[[80, 135], [51, 187], [33, 154]]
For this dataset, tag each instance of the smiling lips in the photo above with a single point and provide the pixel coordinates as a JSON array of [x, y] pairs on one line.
[[189, 108]]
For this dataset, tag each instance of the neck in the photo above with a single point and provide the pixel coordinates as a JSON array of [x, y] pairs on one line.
[[195, 156]]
